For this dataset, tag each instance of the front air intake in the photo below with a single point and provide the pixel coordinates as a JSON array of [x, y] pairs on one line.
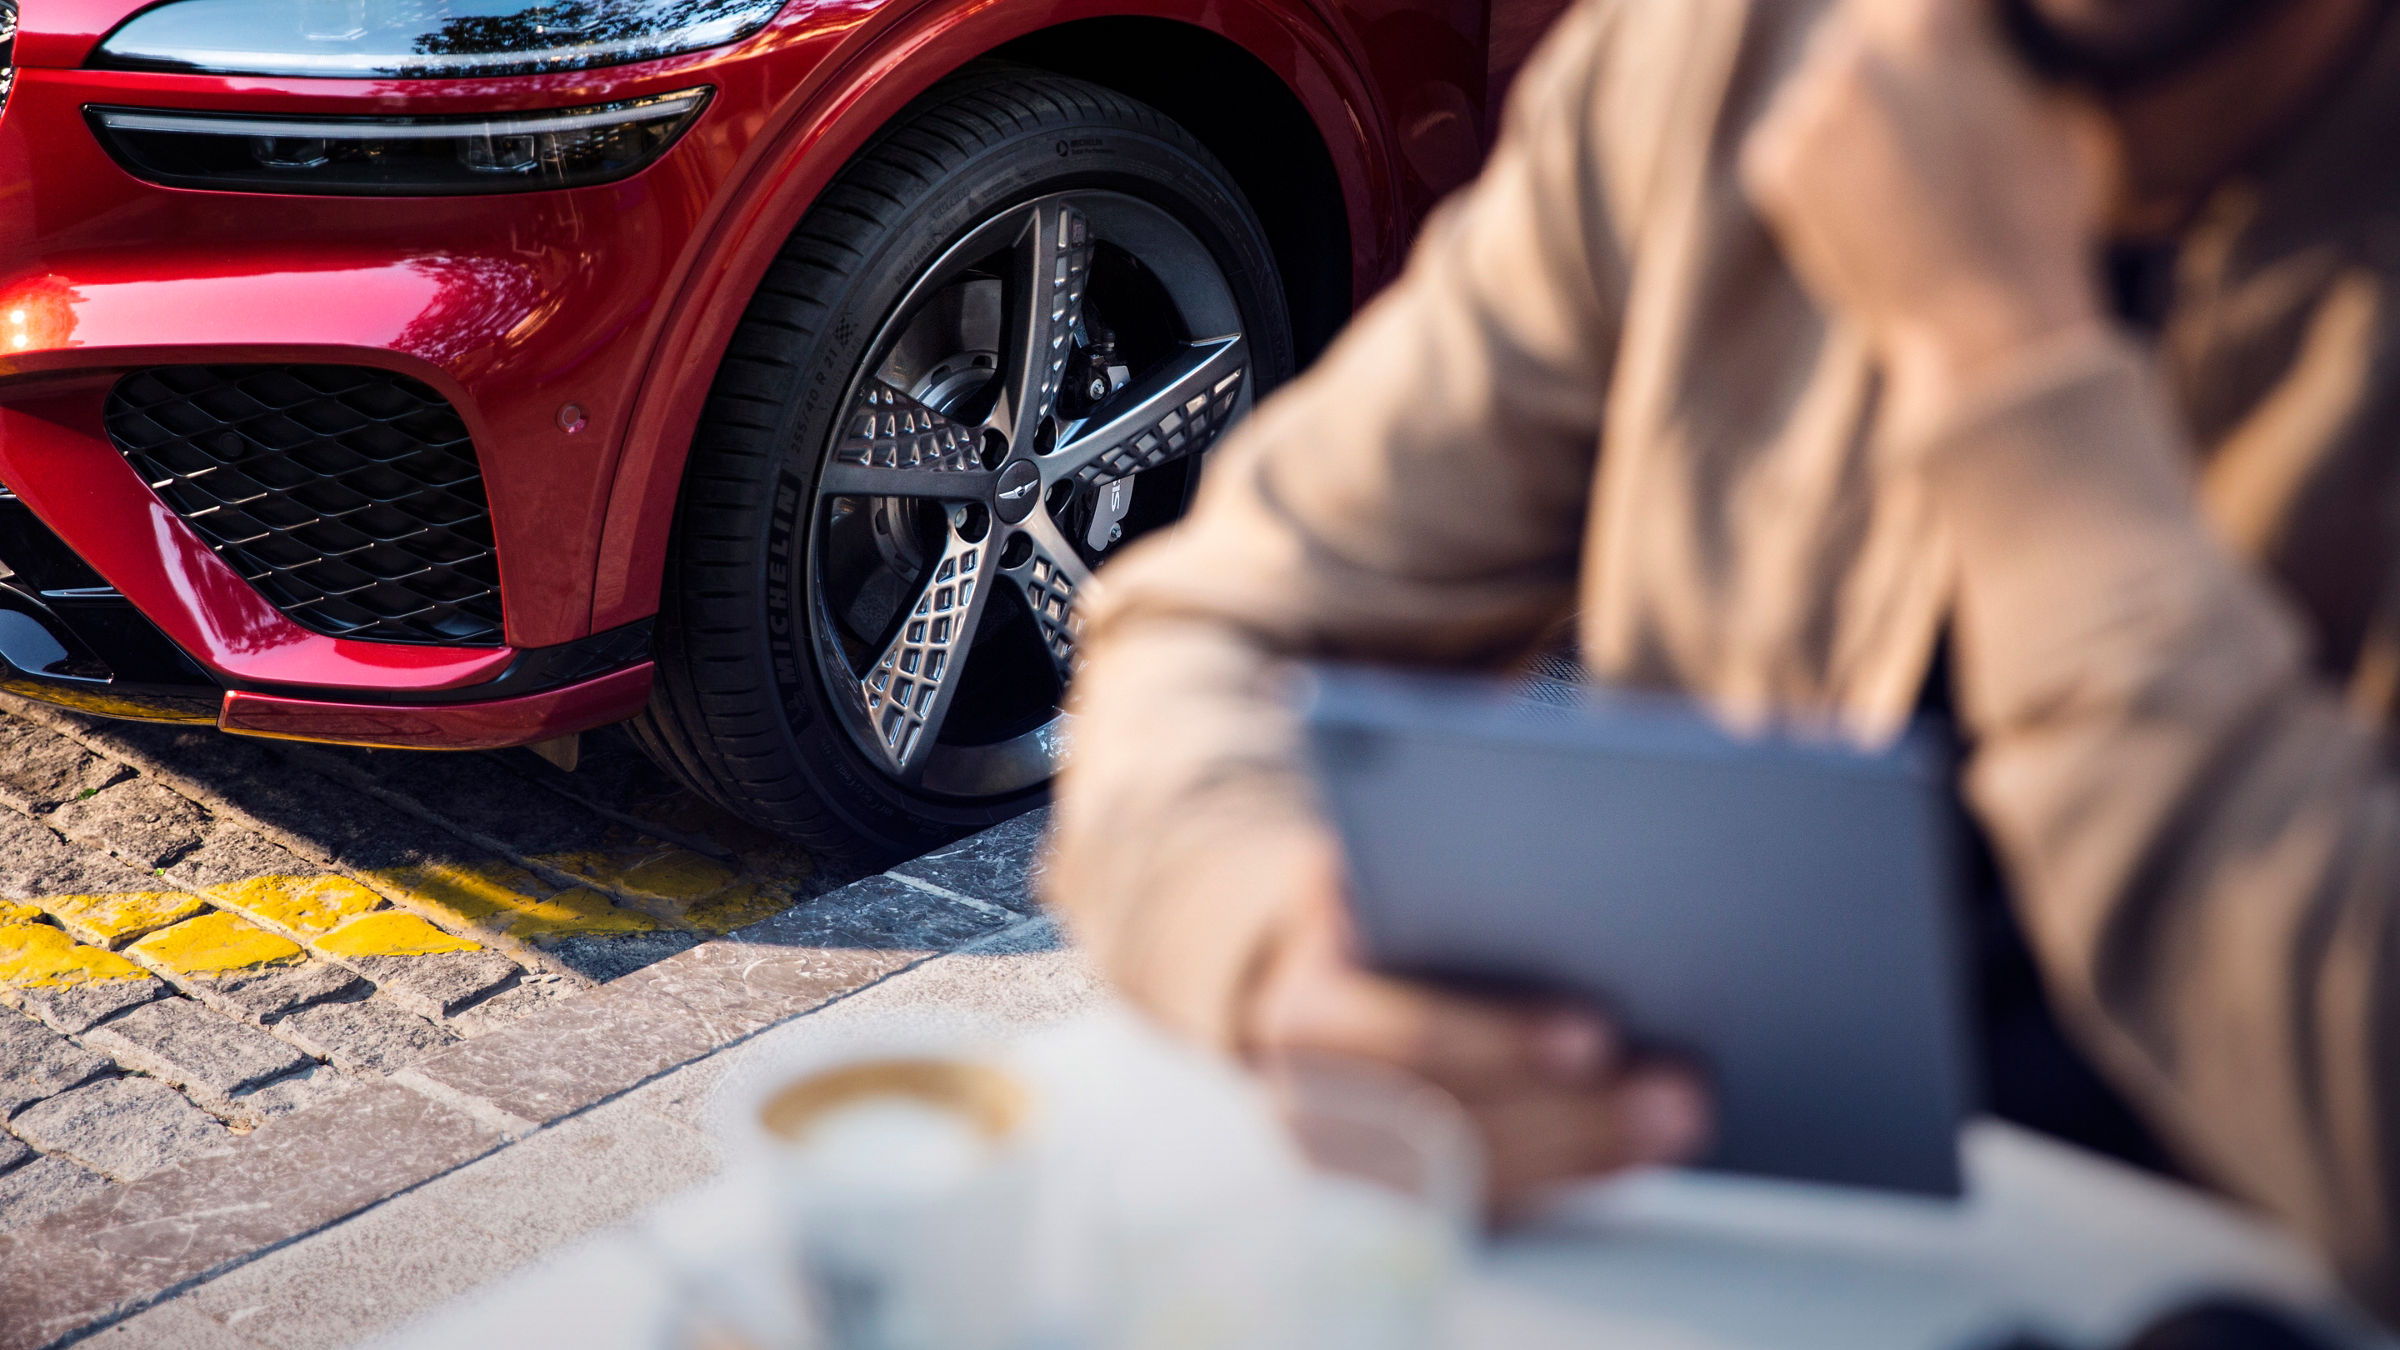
[[350, 497]]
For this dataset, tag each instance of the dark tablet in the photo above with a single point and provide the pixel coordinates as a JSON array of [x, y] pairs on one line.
[[1781, 911]]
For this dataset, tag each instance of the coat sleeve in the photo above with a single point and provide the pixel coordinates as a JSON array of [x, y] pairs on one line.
[[1419, 495], [2203, 842]]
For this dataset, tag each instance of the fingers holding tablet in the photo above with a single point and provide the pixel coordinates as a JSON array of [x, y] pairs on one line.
[[1648, 1115], [1547, 1082]]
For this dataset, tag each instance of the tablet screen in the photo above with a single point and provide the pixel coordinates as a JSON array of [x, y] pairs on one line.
[[1782, 912]]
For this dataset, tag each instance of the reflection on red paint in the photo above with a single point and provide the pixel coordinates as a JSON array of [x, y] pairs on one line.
[[475, 302], [39, 315]]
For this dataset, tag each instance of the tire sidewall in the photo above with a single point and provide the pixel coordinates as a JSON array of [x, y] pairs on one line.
[[1096, 152]]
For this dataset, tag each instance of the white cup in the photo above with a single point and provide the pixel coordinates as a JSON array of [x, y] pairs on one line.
[[908, 1185]]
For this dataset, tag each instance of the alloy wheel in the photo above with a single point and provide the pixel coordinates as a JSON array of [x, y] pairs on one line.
[[1039, 396]]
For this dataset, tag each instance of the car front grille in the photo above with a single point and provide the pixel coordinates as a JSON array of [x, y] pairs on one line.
[[349, 496]]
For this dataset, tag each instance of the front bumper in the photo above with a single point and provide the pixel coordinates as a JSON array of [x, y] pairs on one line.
[[132, 636], [534, 314], [69, 639], [44, 659]]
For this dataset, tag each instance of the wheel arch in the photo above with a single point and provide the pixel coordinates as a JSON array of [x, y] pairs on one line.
[[1277, 51], [1234, 104]]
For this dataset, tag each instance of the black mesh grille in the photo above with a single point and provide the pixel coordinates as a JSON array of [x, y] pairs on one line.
[[350, 497]]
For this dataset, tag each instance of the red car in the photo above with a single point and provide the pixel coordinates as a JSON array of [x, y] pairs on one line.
[[773, 373]]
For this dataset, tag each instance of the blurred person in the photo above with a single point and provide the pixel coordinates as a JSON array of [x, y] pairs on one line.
[[1823, 359]]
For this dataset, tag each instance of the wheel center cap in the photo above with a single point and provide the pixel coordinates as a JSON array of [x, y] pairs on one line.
[[1019, 487]]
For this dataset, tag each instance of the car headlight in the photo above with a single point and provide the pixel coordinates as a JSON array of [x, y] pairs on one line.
[[395, 156], [420, 38]]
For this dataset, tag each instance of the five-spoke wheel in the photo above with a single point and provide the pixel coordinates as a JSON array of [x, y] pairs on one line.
[[962, 392], [1056, 366]]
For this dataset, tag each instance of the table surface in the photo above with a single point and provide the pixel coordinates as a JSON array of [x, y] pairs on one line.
[[2048, 1239]]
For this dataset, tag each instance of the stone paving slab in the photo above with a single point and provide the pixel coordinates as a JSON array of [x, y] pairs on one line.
[[177, 1326], [187, 1046], [34, 861], [214, 942], [884, 913], [241, 861], [585, 1051], [122, 1128], [84, 1265], [43, 1187], [1002, 865], [214, 948], [620, 783], [440, 1240], [363, 1036], [41, 1063], [37, 772], [608, 958], [252, 1107], [74, 1272], [144, 823], [741, 984], [263, 996], [439, 983]]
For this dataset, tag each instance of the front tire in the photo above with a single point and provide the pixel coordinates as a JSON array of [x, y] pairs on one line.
[[993, 352]]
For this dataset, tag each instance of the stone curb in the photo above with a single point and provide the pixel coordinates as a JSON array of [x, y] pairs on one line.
[[80, 1270]]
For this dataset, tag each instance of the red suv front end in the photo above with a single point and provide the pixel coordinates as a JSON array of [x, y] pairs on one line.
[[311, 435], [359, 358]]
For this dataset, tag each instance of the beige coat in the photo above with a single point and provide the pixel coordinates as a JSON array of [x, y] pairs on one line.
[[1599, 393]]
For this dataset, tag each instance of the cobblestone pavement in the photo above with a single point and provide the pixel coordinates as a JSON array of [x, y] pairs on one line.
[[200, 933], [536, 1201], [254, 988]]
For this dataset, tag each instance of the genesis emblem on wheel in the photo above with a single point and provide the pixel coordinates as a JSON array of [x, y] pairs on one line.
[[976, 371]]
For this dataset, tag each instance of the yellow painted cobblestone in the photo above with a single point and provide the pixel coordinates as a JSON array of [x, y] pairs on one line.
[[35, 955], [467, 895], [660, 871], [767, 861], [113, 920], [685, 884], [691, 886], [578, 911], [260, 917], [663, 861], [391, 932], [739, 907], [218, 943], [504, 898], [309, 906]]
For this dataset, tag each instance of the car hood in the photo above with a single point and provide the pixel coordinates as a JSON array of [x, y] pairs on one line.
[[59, 33]]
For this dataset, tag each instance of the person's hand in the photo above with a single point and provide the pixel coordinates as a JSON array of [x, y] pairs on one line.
[[1925, 184], [1547, 1084]]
